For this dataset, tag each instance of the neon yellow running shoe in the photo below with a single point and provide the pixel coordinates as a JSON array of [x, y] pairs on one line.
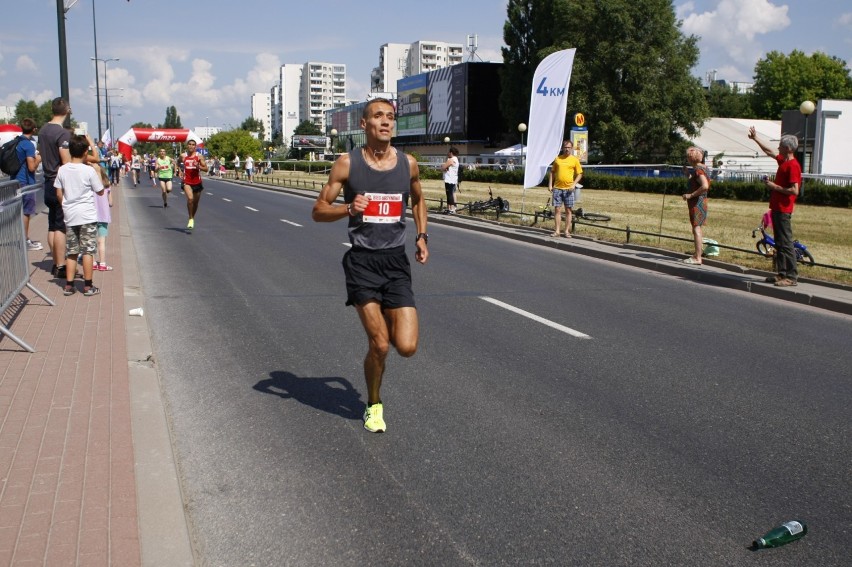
[[191, 224], [373, 420]]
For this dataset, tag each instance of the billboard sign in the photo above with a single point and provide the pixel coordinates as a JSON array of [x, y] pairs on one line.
[[446, 100], [411, 105], [309, 142]]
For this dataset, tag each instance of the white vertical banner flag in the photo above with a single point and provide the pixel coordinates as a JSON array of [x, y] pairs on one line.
[[548, 103], [106, 139]]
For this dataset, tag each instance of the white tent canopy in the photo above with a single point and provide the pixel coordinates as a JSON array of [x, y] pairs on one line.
[[516, 150]]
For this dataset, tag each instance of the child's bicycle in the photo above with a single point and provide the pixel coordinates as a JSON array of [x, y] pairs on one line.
[[766, 247]]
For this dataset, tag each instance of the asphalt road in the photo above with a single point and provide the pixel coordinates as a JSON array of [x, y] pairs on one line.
[[690, 421]]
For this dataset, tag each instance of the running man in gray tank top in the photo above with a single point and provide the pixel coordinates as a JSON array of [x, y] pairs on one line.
[[377, 182]]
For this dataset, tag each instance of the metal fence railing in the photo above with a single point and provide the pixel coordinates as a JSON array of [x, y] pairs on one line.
[[14, 263]]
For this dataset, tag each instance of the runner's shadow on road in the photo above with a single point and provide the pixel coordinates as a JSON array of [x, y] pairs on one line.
[[333, 395]]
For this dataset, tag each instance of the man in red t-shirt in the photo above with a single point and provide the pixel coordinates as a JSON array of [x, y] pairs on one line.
[[782, 200], [193, 165]]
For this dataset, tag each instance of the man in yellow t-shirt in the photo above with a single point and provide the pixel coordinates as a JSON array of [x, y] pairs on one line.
[[565, 173]]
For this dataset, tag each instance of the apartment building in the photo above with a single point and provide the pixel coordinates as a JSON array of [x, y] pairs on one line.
[[400, 60], [323, 87], [425, 56], [305, 92], [261, 110], [393, 62]]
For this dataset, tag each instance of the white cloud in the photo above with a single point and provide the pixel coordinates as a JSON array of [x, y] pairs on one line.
[[734, 28], [26, 64], [845, 20]]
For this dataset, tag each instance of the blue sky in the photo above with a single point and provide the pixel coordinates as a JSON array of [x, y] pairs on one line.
[[208, 58]]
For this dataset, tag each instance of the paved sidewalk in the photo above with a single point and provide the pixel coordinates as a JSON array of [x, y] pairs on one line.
[[67, 482], [87, 474]]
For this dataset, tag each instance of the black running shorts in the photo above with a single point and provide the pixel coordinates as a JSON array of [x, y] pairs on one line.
[[381, 275]]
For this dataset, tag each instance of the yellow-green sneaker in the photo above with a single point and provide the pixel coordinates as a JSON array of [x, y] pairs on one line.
[[191, 224], [373, 420]]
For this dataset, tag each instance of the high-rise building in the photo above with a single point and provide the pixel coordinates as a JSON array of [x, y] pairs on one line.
[[323, 87], [393, 61], [305, 92], [261, 110], [425, 56], [400, 60]]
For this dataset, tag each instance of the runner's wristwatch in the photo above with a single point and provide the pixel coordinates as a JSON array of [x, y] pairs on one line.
[[424, 236]]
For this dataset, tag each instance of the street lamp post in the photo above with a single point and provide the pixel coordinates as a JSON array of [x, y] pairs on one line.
[[522, 128], [106, 93], [333, 134], [807, 108]]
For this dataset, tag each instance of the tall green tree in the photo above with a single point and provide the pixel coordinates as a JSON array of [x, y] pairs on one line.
[[41, 113], [782, 82], [726, 102], [234, 142], [526, 33], [172, 119], [307, 128], [631, 76], [252, 124]]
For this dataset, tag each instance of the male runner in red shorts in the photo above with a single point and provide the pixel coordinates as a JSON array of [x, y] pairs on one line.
[[193, 165]]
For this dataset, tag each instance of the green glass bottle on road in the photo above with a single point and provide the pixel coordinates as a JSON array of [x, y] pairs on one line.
[[785, 533]]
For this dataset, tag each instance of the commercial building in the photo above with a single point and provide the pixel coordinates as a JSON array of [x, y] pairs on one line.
[[459, 102]]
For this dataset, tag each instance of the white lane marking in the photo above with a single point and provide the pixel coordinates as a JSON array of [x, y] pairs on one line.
[[347, 244], [290, 222], [251, 208], [224, 199], [534, 317]]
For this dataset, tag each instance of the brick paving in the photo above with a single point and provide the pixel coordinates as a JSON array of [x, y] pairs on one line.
[[67, 480]]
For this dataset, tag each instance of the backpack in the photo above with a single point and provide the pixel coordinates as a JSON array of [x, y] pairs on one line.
[[10, 163]]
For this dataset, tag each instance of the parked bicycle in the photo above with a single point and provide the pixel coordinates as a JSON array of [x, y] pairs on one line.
[[546, 213], [766, 247], [497, 204]]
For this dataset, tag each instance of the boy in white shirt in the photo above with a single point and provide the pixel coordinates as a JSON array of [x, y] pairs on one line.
[[76, 185]]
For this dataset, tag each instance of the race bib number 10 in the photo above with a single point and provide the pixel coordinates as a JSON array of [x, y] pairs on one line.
[[384, 207]]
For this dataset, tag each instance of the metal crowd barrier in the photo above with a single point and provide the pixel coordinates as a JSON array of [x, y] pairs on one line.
[[14, 263]]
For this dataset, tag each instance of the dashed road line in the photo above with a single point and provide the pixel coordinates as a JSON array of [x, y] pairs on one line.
[[251, 208], [290, 222], [534, 317]]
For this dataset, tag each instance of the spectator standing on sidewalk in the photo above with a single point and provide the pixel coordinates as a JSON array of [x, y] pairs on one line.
[[237, 166], [565, 173], [782, 201], [53, 140], [250, 168], [377, 181], [103, 203], [451, 178], [76, 186], [30, 160], [115, 167], [696, 199]]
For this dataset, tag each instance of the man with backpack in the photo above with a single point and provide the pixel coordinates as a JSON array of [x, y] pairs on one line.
[[30, 160]]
